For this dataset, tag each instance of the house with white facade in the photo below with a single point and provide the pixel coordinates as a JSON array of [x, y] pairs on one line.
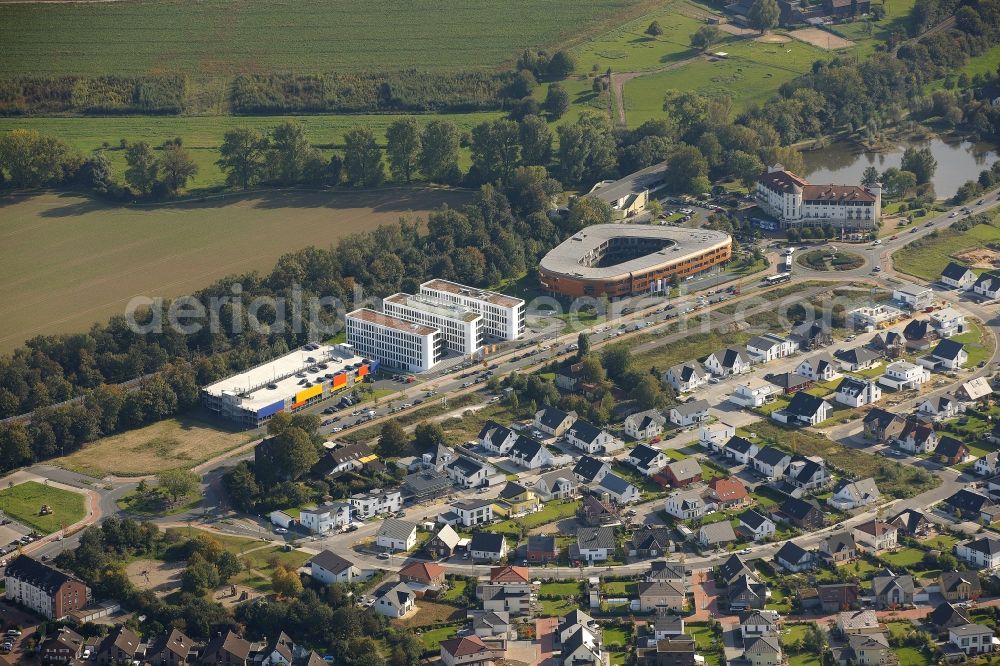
[[914, 296], [589, 438], [740, 450], [396, 535], [755, 526], [468, 473], [394, 600], [987, 465], [529, 453], [715, 435], [856, 392], [982, 553], [958, 276], [595, 544], [645, 425], [327, 567], [948, 354], [849, 495], [752, 393], [619, 489], [727, 362], [819, 368], [689, 413], [686, 377], [473, 512], [647, 460], [557, 484], [767, 347], [376, 502], [804, 409], [686, 504], [940, 407], [771, 462], [590, 470], [987, 285], [496, 438], [795, 202], [554, 421], [326, 518], [902, 375], [948, 322], [916, 437]]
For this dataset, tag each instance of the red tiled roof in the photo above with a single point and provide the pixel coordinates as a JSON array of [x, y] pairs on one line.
[[836, 193], [423, 571], [509, 574], [463, 646], [729, 489], [783, 181]]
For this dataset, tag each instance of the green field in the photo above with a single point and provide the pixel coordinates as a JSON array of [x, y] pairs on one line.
[[68, 261], [217, 38], [974, 345], [23, 502], [929, 256], [750, 75]]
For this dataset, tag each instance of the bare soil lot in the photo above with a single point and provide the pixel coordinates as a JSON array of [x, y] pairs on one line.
[[821, 38], [160, 577], [67, 261]]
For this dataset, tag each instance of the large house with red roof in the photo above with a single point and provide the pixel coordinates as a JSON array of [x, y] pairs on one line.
[[795, 202]]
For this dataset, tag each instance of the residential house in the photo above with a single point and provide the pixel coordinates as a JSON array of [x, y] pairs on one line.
[[746, 592], [468, 473], [804, 514], [491, 624], [940, 407], [65, 647], [972, 639], [807, 473], [983, 553], [680, 473], [875, 536], [644, 425], [987, 465], [541, 549], [838, 597], [515, 500], [396, 535], [948, 355], [916, 297], [763, 651], [917, 437], [676, 650], [729, 493], [594, 544], [426, 485], [858, 622], [960, 585], [686, 377], [740, 450], [554, 422], [487, 546], [893, 591], [172, 648], [732, 569], [689, 413], [944, 617], [890, 343], [855, 392], [752, 393], [685, 504], [650, 541], [646, 460], [839, 547], [968, 504], [437, 459], [913, 523], [728, 361], [958, 276], [755, 526], [467, 651], [881, 425], [618, 489], [819, 368], [495, 438], [327, 567], [948, 322], [557, 484], [804, 409], [660, 596], [858, 358], [867, 650], [427, 574], [443, 544], [792, 557], [809, 335], [569, 623], [584, 647], [590, 470], [713, 436], [121, 646], [767, 347], [326, 518], [589, 438], [919, 334], [597, 511], [790, 383], [666, 570], [950, 451], [987, 285], [509, 589], [849, 494], [716, 535], [975, 391], [376, 502], [667, 626], [226, 648], [771, 462], [901, 375], [529, 453], [759, 623]]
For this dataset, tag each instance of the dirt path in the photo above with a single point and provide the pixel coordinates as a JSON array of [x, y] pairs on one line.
[[618, 81]]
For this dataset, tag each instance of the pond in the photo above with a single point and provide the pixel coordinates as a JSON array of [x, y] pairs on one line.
[[843, 163]]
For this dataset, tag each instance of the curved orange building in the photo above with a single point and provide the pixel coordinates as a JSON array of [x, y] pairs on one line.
[[626, 259]]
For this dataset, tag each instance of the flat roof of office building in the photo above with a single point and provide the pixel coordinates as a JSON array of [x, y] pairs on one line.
[[472, 292], [435, 306], [365, 314], [568, 258]]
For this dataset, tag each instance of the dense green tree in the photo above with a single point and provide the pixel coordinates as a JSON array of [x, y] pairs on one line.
[[242, 156], [177, 167], [582, 345], [654, 29], [648, 392], [556, 101], [428, 435], [392, 439], [705, 36], [687, 170], [920, 162], [403, 148], [290, 150], [439, 151], [496, 149], [764, 14], [536, 141], [561, 64], [585, 211], [745, 166], [616, 360], [870, 176], [587, 149], [31, 159], [97, 172], [143, 167], [178, 483], [363, 158]]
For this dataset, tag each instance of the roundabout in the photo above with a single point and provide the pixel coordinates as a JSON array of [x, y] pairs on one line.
[[830, 259]]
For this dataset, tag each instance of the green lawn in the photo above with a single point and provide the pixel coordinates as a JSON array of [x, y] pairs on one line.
[[559, 589], [615, 636], [703, 637], [551, 512], [556, 608], [432, 638], [455, 590], [973, 341], [909, 656], [927, 257], [905, 557], [620, 588], [24, 501], [942, 542]]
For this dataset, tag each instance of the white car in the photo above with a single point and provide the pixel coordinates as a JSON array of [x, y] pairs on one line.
[[745, 551], [280, 530], [383, 556]]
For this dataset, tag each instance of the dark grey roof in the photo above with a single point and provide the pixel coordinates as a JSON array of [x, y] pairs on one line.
[[852, 386], [945, 616], [396, 529], [588, 467], [787, 380], [644, 455], [808, 471], [739, 445], [793, 507], [329, 560], [910, 519], [770, 455], [525, 448], [688, 371], [950, 580], [552, 417], [728, 357], [968, 501], [883, 584], [487, 542], [648, 537], [948, 349], [955, 271], [804, 404], [880, 418], [792, 553], [691, 407], [985, 545], [596, 537], [950, 447], [38, 574], [495, 433], [615, 483], [857, 355], [840, 542], [753, 519], [466, 466], [917, 329], [541, 544], [584, 431], [732, 567]]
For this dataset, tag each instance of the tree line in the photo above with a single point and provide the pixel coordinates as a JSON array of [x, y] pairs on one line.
[[150, 94]]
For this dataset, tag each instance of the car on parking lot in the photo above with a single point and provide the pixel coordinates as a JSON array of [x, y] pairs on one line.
[[383, 556], [280, 530]]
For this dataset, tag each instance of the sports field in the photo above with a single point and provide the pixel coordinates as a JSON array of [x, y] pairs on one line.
[[24, 501], [67, 261], [202, 135], [178, 442], [217, 38]]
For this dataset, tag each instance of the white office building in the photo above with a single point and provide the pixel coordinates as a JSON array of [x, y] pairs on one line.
[[503, 316], [461, 327], [395, 342]]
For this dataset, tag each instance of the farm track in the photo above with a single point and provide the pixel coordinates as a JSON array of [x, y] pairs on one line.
[[619, 80]]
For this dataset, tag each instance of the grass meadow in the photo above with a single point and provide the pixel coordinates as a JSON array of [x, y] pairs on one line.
[[23, 502], [218, 38], [929, 257], [68, 261]]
